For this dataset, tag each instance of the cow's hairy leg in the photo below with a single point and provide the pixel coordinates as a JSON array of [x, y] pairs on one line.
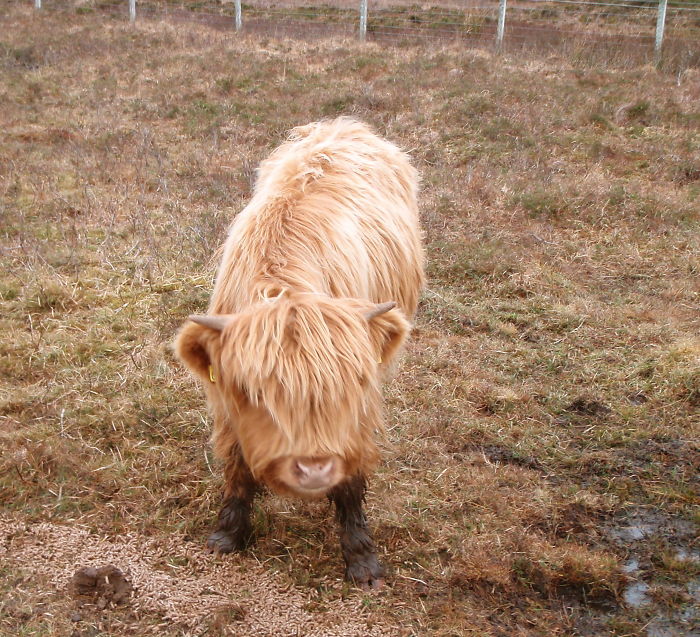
[[362, 566], [234, 531]]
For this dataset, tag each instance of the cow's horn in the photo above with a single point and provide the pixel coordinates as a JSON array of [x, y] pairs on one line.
[[380, 308], [215, 322]]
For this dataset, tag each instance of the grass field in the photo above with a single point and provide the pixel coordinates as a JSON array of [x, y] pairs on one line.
[[541, 472], [613, 34]]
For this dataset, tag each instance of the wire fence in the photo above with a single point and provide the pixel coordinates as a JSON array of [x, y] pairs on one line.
[[625, 32]]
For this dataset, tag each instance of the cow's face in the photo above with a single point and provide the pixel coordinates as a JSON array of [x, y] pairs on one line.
[[299, 379]]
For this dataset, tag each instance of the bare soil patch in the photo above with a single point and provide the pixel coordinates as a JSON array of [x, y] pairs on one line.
[[162, 584]]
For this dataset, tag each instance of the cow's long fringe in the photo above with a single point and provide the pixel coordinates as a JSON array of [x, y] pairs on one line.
[[307, 360]]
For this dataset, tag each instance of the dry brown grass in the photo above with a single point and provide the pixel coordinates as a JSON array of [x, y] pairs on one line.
[[550, 390]]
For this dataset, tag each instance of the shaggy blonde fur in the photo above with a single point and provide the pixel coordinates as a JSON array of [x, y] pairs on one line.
[[331, 230]]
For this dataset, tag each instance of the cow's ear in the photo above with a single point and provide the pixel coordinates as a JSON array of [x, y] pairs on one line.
[[195, 345], [388, 329]]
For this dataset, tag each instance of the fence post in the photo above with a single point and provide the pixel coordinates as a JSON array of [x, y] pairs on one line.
[[363, 19], [501, 25], [239, 16], [660, 23], [132, 10]]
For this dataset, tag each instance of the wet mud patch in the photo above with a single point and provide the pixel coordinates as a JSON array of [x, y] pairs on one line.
[[588, 407], [642, 523], [103, 586], [503, 455], [584, 412], [663, 570], [671, 465]]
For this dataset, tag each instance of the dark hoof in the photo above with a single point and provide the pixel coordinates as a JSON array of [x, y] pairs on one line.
[[224, 542], [366, 573]]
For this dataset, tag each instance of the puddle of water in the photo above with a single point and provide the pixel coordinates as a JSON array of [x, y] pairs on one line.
[[685, 623], [661, 627], [635, 595], [685, 555], [631, 533], [641, 524], [689, 614]]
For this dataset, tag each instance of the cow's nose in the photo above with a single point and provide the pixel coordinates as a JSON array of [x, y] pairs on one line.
[[314, 473]]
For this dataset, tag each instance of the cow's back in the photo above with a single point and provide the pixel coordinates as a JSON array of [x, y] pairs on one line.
[[334, 211]]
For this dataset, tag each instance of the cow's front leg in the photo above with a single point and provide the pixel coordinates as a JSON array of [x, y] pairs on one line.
[[234, 530], [359, 553]]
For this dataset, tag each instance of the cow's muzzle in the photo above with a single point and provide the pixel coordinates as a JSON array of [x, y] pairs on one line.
[[312, 475]]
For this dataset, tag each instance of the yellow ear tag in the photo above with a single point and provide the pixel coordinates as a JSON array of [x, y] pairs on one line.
[[211, 374]]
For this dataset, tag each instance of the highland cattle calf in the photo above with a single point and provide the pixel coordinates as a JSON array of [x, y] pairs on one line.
[[320, 273]]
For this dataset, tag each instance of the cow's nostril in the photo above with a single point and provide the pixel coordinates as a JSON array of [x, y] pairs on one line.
[[314, 473], [301, 468]]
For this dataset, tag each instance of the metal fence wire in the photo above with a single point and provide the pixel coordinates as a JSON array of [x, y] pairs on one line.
[[623, 31]]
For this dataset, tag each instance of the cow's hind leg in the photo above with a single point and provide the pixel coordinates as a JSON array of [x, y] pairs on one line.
[[234, 531], [362, 566]]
